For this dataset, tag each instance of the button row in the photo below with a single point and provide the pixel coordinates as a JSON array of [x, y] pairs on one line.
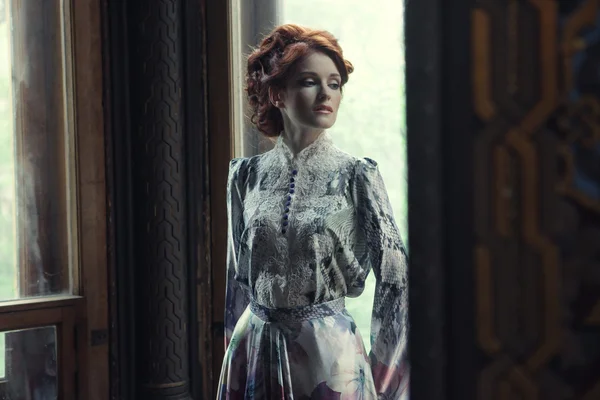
[[289, 201]]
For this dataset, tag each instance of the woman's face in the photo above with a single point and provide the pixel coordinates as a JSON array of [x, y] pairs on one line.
[[312, 96]]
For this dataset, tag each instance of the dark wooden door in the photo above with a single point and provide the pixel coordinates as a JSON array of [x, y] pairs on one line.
[[504, 158]]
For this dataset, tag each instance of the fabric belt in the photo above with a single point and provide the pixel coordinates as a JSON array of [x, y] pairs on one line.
[[297, 314]]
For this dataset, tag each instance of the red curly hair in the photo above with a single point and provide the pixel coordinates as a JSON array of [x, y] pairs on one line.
[[271, 64]]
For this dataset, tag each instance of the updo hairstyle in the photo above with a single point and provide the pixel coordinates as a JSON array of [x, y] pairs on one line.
[[271, 65]]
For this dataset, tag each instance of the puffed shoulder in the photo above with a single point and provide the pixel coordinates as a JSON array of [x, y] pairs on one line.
[[235, 162], [366, 177], [235, 167], [366, 165], [370, 161]]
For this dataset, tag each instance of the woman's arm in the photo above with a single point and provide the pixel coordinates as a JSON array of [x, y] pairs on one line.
[[388, 260], [236, 298]]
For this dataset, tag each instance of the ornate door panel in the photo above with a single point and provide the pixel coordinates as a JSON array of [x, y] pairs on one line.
[[536, 84], [504, 116]]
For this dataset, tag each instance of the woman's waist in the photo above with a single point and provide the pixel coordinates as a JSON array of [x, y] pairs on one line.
[[300, 313]]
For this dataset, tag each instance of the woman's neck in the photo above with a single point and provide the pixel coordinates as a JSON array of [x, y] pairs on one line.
[[298, 140]]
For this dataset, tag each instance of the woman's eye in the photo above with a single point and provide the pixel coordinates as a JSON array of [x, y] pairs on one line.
[[308, 83]]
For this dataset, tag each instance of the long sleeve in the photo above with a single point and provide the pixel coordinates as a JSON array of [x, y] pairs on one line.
[[386, 256], [236, 298]]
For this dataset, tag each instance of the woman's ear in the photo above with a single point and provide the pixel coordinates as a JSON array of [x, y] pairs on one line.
[[276, 98]]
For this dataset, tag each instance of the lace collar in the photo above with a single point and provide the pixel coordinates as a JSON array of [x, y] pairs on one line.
[[319, 146]]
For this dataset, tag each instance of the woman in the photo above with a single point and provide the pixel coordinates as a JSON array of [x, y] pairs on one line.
[[307, 223]]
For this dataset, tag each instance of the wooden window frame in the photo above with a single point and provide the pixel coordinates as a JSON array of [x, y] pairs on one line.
[[62, 312], [82, 319], [221, 150], [248, 22]]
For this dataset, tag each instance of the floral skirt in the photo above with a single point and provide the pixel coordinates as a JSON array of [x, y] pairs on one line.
[[313, 352]]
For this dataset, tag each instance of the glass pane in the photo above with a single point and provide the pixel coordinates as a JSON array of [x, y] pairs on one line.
[[371, 118], [36, 193], [30, 364], [8, 234]]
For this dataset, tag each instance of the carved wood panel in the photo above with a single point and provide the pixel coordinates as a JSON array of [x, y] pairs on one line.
[[159, 199], [537, 198]]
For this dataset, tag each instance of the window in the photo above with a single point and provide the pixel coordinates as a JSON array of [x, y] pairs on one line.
[[52, 230], [371, 120]]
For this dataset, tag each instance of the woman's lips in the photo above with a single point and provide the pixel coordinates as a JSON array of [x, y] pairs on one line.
[[323, 110]]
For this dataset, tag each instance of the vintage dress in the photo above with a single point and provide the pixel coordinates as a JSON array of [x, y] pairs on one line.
[[303, 233]]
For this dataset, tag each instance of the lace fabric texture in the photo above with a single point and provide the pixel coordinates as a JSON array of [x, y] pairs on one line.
[[308, 229]]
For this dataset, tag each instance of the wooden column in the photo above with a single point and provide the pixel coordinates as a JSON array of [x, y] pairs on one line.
[[159, 199]]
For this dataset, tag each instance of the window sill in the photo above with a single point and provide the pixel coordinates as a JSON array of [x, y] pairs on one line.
[[37, 303]]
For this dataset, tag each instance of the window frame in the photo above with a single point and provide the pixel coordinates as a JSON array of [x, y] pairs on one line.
[[248, 23], [221, 149], [81, 319], [62, 313]]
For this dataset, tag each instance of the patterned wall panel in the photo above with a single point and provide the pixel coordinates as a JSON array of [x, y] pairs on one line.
[[536, 80]]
